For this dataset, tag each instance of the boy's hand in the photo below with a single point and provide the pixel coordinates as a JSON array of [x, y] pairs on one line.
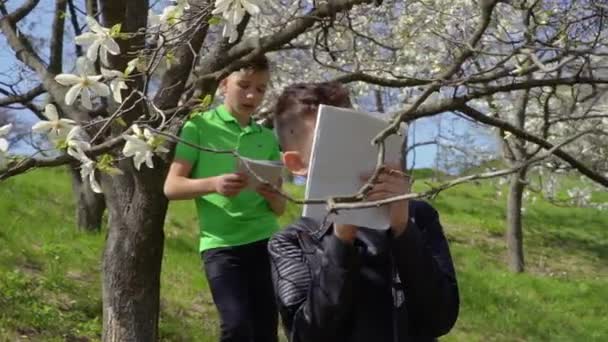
[[273, 197], [345, 232], [392, 182], [267, 192], [230, 184]]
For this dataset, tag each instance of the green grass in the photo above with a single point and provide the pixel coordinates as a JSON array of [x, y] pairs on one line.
[[50, 273]]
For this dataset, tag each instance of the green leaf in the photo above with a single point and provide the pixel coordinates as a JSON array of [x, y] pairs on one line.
[[203, 104], [121, 122], [170, 59], [157, 141], [115, 30], [105, 164], [206, 101], [61, 144], [214, 21]]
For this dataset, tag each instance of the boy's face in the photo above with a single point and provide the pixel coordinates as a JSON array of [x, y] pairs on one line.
[[244, 90]]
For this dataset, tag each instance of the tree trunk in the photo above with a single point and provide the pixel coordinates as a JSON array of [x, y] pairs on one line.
[[133, 255], [90, 206], [514, 222]]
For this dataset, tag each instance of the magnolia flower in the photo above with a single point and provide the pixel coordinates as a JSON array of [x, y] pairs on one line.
[[55, 127], [87, 168], [117, 83], [5, 129], [142, 146], [100, 41], [4, 144], [174, 12], [233, 12], [75, 141], [82, 84]]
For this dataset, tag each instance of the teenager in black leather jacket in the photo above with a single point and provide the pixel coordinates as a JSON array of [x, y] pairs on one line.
[[345, 283]]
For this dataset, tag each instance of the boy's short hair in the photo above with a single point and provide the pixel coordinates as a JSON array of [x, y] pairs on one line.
[[258, 63], [299, 103]]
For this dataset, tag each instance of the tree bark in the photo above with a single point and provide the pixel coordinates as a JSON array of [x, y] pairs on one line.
[[133, 255], [90, 206], [514, 235]]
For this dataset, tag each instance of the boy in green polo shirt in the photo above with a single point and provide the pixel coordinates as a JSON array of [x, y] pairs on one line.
[[235, 223]]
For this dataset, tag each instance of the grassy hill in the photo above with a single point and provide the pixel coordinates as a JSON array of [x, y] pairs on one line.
[[50, 273]]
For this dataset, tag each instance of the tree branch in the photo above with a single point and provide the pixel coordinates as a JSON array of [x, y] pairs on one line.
[[480, 117], [174, 81], [382, 81], [332, 206], [30, 163], [56, 56], [22, 11], [255, 45], [75, 25], [25, 53], [534, 83], [487, 6], [21, 98]]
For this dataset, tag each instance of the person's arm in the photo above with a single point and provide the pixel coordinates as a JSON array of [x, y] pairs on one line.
[[179, 185], [422, 257], [424, 264], [276, 201], [314, 300]]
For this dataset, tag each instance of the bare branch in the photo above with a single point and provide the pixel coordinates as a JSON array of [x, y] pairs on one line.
[[333, 206], [21, 98], [487, 6], [56, 55], [31, 163], [75, 25], [22, 11], [534, 83], [26, 54], [254, 46], [174, 81], [479, 116], [386, 82]]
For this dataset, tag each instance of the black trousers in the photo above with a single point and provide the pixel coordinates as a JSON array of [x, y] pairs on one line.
[[241, 285]]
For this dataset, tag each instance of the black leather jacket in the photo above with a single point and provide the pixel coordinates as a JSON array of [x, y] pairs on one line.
[[380, 289]]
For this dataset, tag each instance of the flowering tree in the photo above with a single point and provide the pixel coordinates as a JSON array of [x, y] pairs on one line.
[[141, 70]]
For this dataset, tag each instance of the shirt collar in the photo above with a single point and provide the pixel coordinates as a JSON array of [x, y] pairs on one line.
[[226, 116]]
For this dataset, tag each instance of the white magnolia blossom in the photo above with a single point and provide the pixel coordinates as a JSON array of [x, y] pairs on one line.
[[4, 132], [142, 146], [54, 127], [87, 168], [100, 41], [117, 82], [82, 84], [233, 12], [5, 129], [75, 141], [4, 145], [170, 15]]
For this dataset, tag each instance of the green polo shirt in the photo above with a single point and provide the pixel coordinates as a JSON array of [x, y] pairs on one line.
[[246, 217]]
